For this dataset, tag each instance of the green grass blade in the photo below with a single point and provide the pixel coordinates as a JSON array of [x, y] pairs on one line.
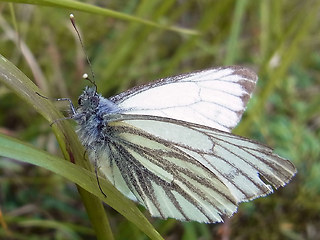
[[233, 41], [15, 149], [287, 53], [74, 5]]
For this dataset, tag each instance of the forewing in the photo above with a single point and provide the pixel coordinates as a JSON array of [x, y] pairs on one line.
[[215, 97], [188, 171]]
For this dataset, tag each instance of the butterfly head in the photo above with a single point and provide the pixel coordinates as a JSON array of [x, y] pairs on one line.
[[89, 100]]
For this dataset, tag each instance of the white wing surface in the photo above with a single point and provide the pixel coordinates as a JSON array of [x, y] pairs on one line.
[[187, 171], [215, 97]]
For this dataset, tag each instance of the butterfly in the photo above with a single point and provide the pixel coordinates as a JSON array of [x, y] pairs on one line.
[[167, 144]]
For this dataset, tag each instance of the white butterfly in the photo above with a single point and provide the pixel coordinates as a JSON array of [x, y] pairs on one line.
[[168, 145]]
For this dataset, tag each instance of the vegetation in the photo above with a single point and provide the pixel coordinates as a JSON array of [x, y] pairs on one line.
[[136, 42]]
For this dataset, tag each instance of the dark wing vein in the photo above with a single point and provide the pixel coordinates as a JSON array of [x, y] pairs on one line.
[[173, 178]]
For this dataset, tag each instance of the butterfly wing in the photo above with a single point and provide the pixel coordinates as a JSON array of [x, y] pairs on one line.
[[188, 171], [215, 97]]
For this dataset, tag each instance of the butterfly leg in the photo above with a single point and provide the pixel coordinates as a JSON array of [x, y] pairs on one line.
[[73, 110], [61, 99], [96, 172]]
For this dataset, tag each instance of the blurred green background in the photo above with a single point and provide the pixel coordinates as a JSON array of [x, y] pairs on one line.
[[279, 39]]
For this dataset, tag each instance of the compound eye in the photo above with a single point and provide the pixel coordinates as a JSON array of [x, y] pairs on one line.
[[80, 101], [94, 101]]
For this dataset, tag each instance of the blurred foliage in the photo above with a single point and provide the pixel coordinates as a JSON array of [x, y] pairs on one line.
[[279, 39]]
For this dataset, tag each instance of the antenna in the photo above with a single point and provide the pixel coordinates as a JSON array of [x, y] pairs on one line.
[[73, 21], [86, 77]]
